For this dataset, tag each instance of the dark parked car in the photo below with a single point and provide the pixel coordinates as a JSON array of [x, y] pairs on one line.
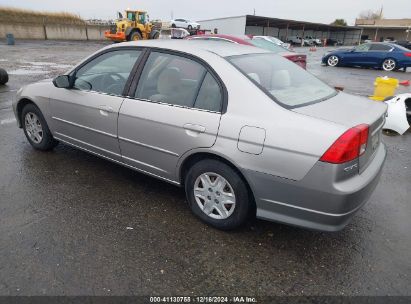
[[299, 59], [406, 44], [387, 56]]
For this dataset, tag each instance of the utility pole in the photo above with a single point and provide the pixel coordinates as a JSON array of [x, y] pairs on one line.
[[254, 11]]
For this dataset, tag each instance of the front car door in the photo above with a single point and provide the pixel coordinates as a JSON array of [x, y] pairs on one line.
[[86, 115], [176, 107], [358, 55]]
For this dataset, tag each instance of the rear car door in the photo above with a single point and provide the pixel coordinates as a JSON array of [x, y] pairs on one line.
[[377, 53], [86, 115], [175, 107]]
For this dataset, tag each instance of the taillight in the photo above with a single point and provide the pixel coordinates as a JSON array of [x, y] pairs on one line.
[[407, 54], [349, 146]]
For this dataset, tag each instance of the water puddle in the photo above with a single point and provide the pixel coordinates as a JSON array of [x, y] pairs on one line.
[[27, 72]]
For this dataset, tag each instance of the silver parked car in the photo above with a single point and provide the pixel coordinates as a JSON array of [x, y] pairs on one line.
[[245, 131]]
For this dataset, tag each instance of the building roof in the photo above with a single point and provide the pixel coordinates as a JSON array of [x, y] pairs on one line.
[[252, 20], [295, 24]]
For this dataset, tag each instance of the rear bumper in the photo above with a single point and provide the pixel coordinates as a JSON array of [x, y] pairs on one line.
[[121, 36], [317, 201]]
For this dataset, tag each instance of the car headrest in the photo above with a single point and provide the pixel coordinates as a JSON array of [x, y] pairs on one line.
[[169, 81], [281, 79], [255, 77]]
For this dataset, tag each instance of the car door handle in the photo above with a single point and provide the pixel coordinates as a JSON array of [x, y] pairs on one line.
[[194, 128], [104, 110]]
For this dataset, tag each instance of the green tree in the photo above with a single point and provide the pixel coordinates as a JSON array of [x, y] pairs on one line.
[[339, 22]]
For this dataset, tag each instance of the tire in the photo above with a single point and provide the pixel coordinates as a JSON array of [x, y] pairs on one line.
[[173, 25], [154, 34], [190, 27], [408, 109], [136, 36], [4, 77], [333, 61], [229, 187], [389, 64], [47, 142]]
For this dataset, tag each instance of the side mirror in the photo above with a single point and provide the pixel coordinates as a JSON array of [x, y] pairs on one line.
[[62, 81]]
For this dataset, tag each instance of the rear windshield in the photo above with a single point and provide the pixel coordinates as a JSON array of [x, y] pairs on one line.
[[267, 45], [283, 80]]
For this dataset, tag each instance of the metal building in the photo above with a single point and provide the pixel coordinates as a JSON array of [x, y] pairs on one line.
[[281, 28]]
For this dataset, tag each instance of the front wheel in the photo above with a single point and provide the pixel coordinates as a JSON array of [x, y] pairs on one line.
[[190, 27], [36, 130], [333, 61], [135, 36], [217, 194], [389, 65]]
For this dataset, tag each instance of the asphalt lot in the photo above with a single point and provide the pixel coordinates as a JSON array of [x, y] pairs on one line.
[[66, 218]]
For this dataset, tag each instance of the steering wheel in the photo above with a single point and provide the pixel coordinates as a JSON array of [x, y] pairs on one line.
[[107, 79]]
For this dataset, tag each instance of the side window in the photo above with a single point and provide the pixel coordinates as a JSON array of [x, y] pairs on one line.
[[170, 79], [107, 73], [209, 97], [362, 48], [380, 47]]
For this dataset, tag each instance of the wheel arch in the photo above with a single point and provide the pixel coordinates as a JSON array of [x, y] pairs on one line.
[[191, 159], [19, 108]]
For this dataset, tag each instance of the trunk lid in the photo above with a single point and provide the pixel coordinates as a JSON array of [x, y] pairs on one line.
[[350, 111]]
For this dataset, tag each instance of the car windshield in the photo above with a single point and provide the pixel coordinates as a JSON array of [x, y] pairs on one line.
[[267, 45], [283, 80]]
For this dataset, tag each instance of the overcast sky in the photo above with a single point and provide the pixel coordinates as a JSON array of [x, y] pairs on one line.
[[313, 10]]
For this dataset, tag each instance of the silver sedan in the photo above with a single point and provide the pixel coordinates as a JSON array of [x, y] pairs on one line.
[[244, 131]]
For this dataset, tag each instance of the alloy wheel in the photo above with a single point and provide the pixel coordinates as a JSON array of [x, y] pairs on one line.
[[33, 127], [332, 60], [389, 65], [214, 195]]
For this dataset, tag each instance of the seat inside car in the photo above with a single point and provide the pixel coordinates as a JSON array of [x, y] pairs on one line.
[[170, 88], [281, 80]]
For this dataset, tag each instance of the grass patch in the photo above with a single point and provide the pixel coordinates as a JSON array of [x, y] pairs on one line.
[[13, 15]]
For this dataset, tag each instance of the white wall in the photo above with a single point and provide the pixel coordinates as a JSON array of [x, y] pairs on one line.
[[228, 26]]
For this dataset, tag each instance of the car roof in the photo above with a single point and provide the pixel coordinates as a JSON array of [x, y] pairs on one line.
[[239, 39], [195, 47]]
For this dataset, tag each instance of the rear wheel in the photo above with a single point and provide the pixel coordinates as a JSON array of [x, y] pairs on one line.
[[389, 65], [190, 27], [217, 194], [36, 129], [173, 25], [136, 36], [333, 61]]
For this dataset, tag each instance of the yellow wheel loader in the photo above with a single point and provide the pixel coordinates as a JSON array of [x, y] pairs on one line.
[[133, 27]]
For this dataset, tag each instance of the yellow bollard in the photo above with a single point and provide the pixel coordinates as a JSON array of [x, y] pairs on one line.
[[384, 87]]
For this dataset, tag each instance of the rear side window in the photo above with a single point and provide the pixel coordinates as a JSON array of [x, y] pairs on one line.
[[287, 83], [178, 80], [209, 98], [380, 47]]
